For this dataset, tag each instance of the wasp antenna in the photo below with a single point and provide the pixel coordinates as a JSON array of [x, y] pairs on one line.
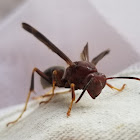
[[134, 78], [85, 88]]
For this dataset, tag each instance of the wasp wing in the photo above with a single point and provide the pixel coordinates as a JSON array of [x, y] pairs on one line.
[[100, 56], [85, 54], [46, 41]]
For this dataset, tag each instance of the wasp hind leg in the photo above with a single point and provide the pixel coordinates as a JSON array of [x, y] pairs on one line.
[[50, 94], [30, 91]]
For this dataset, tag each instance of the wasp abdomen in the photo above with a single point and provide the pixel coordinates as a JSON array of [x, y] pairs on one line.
[[49, 72]]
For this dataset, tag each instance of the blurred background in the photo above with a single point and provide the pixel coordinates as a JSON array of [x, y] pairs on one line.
[[7, 7], [69, 24]]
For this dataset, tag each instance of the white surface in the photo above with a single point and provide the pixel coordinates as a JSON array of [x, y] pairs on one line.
[[70, 25], [111, 116]]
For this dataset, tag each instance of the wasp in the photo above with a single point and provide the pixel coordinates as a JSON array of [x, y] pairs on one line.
[[78, 75]]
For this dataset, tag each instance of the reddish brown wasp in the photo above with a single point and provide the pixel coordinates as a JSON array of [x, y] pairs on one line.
[[78, 75]]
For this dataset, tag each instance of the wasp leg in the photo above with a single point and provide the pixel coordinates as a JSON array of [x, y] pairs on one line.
[[122, 88], [73, 98], [43, 96], [62, 92], [54, 76], [50, 94], [30, 91], [45, 102]]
